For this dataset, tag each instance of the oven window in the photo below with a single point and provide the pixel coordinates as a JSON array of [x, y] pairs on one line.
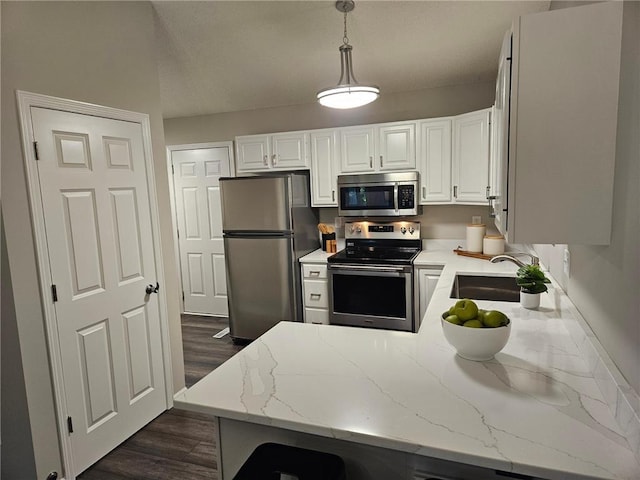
[[370, 295], [367, 198]]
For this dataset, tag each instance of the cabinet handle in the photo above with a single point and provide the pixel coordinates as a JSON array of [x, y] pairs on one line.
[[315, 296], [333, 195], [265, 160], [424, 192], [371, 161], [455, 191], [488, 190], [314, 273], [274, 161], [381, 161]]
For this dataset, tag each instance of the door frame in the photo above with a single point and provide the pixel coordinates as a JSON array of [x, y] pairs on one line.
[[25, 101], [172, 195]]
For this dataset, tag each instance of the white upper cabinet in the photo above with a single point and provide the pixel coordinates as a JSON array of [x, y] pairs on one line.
[[324, 166], [563, 125], [435, 160], [470, 162], [397, 146], [357, 149], [377, 148], [453, 159], [252, 153], [278, 151]]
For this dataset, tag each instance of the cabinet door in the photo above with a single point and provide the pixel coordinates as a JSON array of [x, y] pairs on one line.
[[499, 139], [324, 168], [289, 151], [252, 153], [471, 157], [426, 280], [565, 102], [435, 161], [397, 146], [356, 149]]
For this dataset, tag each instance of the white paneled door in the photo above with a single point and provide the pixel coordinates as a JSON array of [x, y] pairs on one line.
[[96, 207], [196, 175]]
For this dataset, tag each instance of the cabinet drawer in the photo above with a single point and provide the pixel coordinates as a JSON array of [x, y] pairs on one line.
[[313, 270], [315, 315], [315, 294]]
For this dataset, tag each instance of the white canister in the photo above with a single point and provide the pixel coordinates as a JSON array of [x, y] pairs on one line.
[[475, 236], [493, 245]]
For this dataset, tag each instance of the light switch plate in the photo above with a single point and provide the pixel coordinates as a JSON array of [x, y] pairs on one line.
[[566, 262]]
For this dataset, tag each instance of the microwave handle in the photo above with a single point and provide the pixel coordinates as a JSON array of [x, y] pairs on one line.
[[395, 198]]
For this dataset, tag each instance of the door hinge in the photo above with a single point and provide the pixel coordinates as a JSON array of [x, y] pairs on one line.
[[173, 170], [54, 293], [183, 295], [178, 232], [35, 149], [69, 424]]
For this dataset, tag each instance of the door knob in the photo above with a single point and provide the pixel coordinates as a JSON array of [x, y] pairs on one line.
[[151, 289]]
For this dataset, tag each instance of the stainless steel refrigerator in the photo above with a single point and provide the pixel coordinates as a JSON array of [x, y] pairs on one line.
[[268, 224]]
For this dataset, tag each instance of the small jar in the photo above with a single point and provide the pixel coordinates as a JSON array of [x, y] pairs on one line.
[[493, 245]]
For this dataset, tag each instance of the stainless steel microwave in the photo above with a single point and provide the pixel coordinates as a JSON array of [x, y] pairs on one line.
[[393, 194]]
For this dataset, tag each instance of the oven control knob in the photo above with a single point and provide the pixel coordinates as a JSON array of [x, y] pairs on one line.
[[358, 229], [411, 230], [403, 230]]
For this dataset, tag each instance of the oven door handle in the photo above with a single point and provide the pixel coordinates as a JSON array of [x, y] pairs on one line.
[[373, 270]]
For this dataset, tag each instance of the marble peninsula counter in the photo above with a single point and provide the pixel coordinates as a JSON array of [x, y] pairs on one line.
[[402, 405]]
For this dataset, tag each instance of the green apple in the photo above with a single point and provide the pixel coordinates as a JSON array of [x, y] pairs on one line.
[[494, 318], [480, 315], [465, 309], [454, 319], [473, 323]]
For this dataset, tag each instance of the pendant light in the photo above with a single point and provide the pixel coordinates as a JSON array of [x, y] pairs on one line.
[[348, 93]]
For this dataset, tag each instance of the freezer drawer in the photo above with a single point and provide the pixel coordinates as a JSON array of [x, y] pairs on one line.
[[263, 287]]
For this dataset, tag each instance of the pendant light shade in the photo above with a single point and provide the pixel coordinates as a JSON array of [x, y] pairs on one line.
[[348, 93]]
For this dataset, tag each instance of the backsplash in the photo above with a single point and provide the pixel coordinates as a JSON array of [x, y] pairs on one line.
[[436, 221]]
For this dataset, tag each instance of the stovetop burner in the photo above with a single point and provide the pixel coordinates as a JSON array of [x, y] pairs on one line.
[[379, 243]]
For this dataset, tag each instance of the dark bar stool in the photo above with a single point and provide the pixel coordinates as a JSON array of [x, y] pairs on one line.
[[273, 461]]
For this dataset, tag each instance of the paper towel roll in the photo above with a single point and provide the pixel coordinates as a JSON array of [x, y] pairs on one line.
[[475, 236]]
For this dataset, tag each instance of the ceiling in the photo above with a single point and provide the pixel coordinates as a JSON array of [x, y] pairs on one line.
[[224, 56]]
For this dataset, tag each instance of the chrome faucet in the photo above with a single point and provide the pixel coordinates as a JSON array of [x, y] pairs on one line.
[[501, 258]]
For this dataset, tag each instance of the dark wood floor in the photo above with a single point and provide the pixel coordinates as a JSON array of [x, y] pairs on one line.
[[177, 444]]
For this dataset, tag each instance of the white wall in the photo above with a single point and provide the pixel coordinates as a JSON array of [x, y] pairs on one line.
[[97, 52], [427, 103]]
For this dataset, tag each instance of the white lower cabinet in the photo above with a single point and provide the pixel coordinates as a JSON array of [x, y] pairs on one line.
[[425, 280], [315, 293]]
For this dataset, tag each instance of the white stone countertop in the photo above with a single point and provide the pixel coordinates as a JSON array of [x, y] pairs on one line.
[[535, 409]]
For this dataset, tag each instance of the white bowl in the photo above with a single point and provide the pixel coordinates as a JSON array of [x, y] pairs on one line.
[[476, 343]]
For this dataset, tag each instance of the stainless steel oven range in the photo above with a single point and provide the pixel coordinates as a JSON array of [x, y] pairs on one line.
[[371, 280]]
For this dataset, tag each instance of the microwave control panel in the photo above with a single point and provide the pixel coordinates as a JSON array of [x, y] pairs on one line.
[[406, 196]]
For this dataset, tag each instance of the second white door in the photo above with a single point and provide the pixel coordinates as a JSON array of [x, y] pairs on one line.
[[196, 175]]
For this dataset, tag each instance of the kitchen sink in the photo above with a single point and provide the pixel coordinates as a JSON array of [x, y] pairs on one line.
[[483, 287]]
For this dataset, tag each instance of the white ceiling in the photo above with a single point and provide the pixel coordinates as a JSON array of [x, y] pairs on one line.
[[224, 56]]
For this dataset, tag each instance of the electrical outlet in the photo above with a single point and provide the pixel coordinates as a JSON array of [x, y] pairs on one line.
[[566, 262], [476, 219]]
